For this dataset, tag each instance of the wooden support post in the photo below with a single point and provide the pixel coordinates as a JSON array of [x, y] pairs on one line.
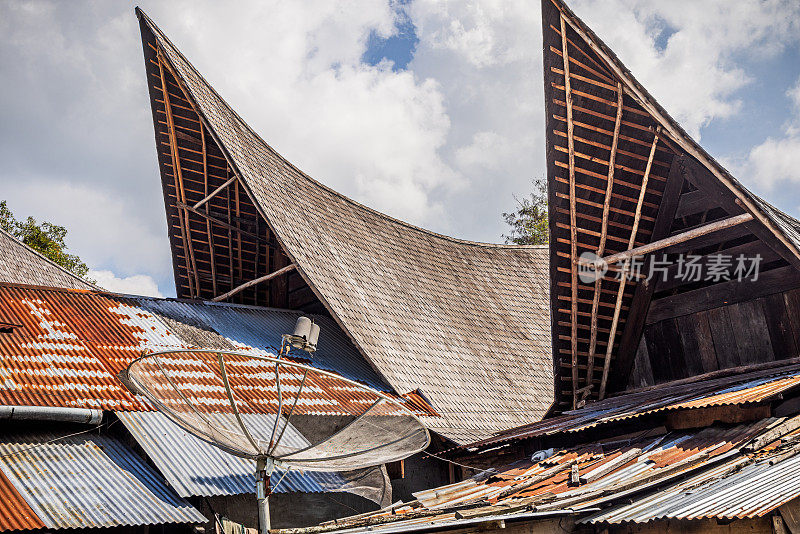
[[622, 282], [231, 228], [258, 280], [183, 217], [215, 191], [602, 247], [573, 238]]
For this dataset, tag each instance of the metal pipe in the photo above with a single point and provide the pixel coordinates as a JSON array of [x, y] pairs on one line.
[[47, 413], [264, 467]]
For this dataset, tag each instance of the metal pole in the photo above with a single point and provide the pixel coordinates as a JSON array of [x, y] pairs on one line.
[[264, 467]]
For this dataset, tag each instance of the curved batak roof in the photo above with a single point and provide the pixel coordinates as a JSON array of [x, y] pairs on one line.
[[623, 174], [467, 324]]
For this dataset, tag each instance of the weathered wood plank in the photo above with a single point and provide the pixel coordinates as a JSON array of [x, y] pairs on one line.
[[779, 324], [721, 294], [751, 332], [724, 341]]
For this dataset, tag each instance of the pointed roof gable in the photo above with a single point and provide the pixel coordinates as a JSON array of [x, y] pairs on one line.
[[623, 174], [464, 323]]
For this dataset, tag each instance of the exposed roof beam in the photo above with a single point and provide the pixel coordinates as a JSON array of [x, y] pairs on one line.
[[621, 292], [215, 192], [672, 240], [573, 237], [673, 131], [602, 247], [220, 222], [258, 280]]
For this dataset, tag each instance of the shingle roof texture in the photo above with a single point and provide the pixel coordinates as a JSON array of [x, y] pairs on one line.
[[465, 323], [20, 264]]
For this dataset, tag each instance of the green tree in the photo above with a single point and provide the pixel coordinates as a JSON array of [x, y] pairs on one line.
[[46, 238], [529, 222]]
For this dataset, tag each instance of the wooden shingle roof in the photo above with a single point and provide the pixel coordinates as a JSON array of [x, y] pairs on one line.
[[466, 324], [20, 264]]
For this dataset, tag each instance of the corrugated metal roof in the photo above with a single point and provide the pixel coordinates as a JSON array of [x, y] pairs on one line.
[[731, 490], [15, 513], [88, 481], [716, 474], [72, 344], [746, 388], [196, 468]]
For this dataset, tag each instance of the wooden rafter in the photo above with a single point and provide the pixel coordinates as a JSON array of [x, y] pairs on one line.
[[602, 246], [674, 135], [213, 260], [675, 239], [258, 280], [183, 217], [221, 223], [216, 191], [622, 282], [572, 219]]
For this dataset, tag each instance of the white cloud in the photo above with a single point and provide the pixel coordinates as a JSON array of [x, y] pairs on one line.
[[695, 72], [138, 284], [445, 144], [777, 159]]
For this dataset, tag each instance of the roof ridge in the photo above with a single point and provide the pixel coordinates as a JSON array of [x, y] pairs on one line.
[[154, 27]]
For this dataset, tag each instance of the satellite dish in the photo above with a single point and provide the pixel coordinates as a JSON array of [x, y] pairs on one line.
[[210, 393]]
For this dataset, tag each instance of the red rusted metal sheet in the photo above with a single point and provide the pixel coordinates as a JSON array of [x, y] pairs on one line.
[[72, 344], [15, 514]]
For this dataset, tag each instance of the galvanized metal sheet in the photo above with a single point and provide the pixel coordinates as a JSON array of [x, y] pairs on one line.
[[196, 468], [746, 388], [729, 491], [88, 481]]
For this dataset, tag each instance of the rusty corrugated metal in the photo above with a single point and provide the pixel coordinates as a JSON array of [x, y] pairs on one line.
[[72, 481], [72, 344], [15, 513], [635, 481], [739, 389]]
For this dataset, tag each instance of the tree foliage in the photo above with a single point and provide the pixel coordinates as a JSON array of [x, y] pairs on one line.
[[46, 238], [529, 222]]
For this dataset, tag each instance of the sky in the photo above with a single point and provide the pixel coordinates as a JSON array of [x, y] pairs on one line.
[[432, 112]]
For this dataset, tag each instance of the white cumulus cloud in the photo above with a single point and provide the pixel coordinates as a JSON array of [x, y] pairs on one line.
[[138, 284]]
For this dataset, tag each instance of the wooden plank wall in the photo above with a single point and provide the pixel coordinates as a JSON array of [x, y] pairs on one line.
[[753, 331]]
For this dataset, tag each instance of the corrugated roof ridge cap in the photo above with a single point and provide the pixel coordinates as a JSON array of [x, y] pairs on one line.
[[314, 182]]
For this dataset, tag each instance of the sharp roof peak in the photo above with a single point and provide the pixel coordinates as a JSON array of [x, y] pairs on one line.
[[154, 27]]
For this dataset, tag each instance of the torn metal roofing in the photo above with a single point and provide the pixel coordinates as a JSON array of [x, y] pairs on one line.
[[88, 480], [73, 344], [737, 389], [733, 490], [195, 468], [456, 320], [20, 264], [739, 471]]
